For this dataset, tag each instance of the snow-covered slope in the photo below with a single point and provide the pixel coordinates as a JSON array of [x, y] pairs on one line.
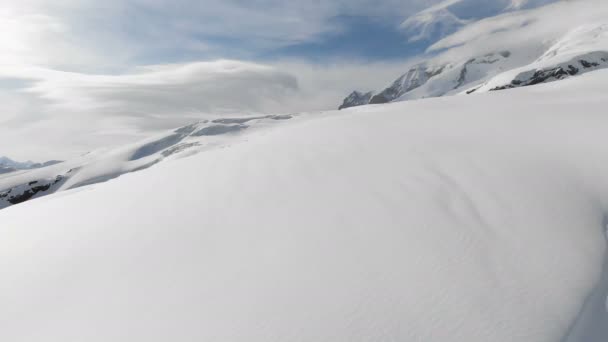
[[564, 39], [583, 50], [435, 78], [463, 219], [103, 165]]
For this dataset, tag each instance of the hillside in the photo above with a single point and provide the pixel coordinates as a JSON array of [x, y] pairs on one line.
[[464, 219]]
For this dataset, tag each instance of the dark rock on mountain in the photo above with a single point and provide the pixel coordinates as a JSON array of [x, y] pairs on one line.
[[356, 98], [557, 72]]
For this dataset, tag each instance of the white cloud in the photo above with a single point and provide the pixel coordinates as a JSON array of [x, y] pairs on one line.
[[55, 114], [72, 78], [91, 35]]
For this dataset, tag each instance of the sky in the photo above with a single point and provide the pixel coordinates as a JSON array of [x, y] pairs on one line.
[[76, 75]]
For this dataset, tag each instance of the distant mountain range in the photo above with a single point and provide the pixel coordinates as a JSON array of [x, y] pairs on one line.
[[8, 165], [489, 55]]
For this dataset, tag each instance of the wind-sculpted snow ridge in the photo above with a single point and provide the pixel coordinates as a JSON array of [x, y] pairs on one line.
[[100, 166], [582, 50], [434, 79], [491, 55], [544, 72], [462, 219]]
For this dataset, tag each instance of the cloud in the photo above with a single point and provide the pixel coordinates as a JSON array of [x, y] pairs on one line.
[[540, 27], [76, 75], [448, 16], [109, 35], [79, 74], [48, 104], [57, 114]]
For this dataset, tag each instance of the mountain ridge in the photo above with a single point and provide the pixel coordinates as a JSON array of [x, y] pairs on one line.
[[471, 61]]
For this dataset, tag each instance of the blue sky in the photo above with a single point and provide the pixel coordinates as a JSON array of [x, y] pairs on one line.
[[156, 32], [361, 37]]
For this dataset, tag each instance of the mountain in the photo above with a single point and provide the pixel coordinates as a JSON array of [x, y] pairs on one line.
[[356, 98], [103, 165], [487, 55], [8, 165], [463, 219], [582, 50]]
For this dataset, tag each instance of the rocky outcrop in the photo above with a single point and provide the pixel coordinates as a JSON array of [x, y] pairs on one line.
[[356, 98], [24, 192]]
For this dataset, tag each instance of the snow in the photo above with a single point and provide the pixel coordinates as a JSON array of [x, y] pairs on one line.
[[11, 165], [591, 324], [581, 50], [490, 54], [103, 165], [465, 218]]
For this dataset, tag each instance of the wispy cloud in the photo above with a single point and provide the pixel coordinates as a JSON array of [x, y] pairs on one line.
[[56, 114], [107, 35], [79, 74]]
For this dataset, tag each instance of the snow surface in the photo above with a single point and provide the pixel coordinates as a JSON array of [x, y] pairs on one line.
[[464, 219]]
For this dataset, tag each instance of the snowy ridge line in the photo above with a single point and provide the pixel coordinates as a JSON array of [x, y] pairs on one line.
[[101, 166], [543, 73], [473, 61]]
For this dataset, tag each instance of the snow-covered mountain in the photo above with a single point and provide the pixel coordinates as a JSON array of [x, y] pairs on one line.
[[8, 165], [582, 50], [103, 165], [488, 55], [432, 79], [462, 219], [356, 98]]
